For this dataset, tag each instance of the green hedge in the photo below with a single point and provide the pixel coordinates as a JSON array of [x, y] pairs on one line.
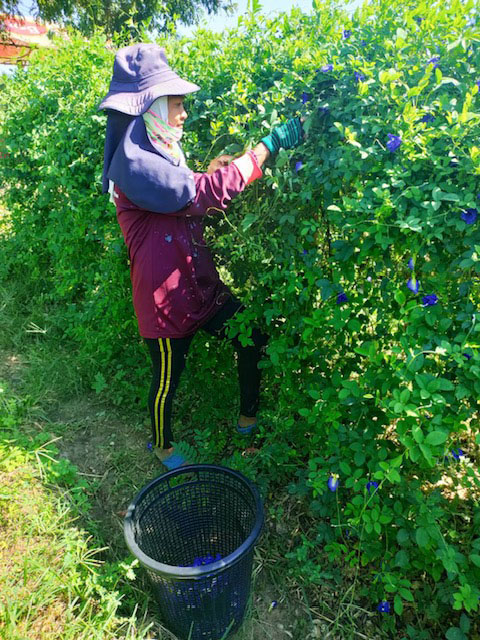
[[366, 379]]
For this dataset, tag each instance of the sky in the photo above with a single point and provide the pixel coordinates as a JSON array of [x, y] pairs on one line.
[[222, 21]]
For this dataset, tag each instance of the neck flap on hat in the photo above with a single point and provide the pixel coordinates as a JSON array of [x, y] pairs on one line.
[[161, 134], [150, 177]]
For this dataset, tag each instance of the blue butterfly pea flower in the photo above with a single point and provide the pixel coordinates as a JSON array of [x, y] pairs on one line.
[[457, 453], [333, 483], [429, 300], [371, 485], [326, 68], [149, 446], [200, 561], [434, 61], [428, 117], [306, 97], [393, 142], [298, 165], [359, 77], [346, 34], [410, 264], [469, 215], [414, 285], [467, 356], [342, 297], [384, 606]]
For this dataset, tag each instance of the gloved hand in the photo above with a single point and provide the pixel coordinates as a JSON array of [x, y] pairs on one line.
[[285, 136]]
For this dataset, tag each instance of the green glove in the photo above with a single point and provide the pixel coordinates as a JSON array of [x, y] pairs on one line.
[[285, 136]]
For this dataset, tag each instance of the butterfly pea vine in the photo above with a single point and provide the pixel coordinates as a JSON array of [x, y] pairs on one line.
[[358, 253]]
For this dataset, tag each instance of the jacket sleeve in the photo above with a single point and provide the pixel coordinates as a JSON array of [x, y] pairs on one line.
[[215, 191]]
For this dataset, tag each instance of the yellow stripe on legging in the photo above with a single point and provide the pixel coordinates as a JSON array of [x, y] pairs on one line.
[[163, 388]]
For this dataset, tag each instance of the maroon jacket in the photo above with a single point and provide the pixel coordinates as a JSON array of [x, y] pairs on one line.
[[176, 287]]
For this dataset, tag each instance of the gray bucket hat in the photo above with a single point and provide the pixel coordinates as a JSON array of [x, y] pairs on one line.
[[141, 75]]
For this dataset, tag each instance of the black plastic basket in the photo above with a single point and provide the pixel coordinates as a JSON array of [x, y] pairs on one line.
[[188, 516]]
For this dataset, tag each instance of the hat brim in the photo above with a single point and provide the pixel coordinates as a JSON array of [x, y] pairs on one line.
[[136, 103]]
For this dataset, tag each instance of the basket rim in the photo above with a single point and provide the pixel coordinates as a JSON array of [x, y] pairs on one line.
[[196, 573]]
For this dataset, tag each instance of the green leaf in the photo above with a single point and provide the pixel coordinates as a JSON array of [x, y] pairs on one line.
[[436, 437], [473, 557], [464, 623], [403, 536], [359, 458], [418, 434], [402, 559], [454, 633], [100, 383], [417, 363], [345, 468], [396, 462], [453, 197], [282, 159], [422, 537], [394, 476], [400, 297], [447, 80], [398, 605], [445, 384], [406, 594], [248, 220]]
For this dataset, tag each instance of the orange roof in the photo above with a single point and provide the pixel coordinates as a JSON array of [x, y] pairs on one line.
[[23, 35]]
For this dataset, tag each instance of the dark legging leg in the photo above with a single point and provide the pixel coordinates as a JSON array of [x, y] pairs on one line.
[[248, 357], [168, 361]]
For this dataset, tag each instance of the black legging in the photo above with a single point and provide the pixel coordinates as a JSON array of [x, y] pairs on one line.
[[168, 361]]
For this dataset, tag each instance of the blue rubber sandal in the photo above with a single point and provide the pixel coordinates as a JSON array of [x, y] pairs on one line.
[[173, 461], [246, 431]]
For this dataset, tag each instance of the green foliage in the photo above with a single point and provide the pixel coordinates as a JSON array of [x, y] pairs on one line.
[[126, 18], [373, 386]]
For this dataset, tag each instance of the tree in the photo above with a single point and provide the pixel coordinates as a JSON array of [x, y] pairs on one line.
[[7, 8], [113, 15]]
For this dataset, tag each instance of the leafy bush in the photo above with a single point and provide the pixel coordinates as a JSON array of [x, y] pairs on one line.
[[358, 253]]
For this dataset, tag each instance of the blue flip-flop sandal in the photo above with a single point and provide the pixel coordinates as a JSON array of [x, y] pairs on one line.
[[173, 461], [246, 431]]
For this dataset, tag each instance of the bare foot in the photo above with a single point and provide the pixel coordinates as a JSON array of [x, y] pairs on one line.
[[162, 453]]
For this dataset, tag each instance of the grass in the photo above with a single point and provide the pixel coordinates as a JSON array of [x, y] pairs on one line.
[[74, 578], [50, 584]]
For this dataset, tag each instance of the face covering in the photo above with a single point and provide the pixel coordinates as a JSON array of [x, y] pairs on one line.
[[163, 136]]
